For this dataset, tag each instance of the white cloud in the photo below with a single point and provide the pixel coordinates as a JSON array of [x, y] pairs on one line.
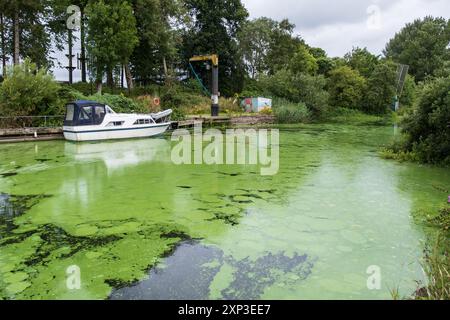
[[340, 25]]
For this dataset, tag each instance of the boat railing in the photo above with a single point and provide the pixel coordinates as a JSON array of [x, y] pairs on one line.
[[31, 122]]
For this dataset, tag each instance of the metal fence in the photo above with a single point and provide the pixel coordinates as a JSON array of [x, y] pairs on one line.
[[31, 122]]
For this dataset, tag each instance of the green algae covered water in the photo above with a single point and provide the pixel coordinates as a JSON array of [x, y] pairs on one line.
[[133, 225]]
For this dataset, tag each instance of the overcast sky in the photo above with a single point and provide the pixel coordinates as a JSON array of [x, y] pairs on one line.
[[339, 25], [335, 26]]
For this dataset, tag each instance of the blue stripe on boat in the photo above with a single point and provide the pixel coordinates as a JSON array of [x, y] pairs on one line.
[[119, 129]]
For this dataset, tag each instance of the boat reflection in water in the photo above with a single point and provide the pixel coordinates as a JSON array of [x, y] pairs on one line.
[[120, 153]]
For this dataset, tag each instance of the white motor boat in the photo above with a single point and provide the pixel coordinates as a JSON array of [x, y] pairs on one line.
[[90, 121]]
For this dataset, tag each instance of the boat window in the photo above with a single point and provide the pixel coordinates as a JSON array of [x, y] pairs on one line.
[[70, 108], [142, 121], [115, 124], [99, 114], [85, 116]]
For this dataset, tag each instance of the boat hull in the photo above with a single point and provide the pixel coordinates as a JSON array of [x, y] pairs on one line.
[[88, 134]]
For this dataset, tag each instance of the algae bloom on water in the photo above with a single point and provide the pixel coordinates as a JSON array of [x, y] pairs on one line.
[[137, 226]]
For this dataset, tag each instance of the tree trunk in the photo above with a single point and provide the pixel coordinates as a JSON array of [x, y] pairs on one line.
[[129, 77], [16, 59], [109, 78], [83, 47], [99, 86], [165, 68], [2, 26]]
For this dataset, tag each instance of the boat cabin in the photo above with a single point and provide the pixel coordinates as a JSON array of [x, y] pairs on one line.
[[85, 113]]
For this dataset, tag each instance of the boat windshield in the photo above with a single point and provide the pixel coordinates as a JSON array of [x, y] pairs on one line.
[[84, 115]]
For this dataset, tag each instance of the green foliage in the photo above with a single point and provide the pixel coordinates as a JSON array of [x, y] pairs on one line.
[[216, 24], [428, 134], [67, 94], [289, 112], [381, 88], [28, 90], [40, 23], [119, 103], [423, 45], [278, 85], [408, 96], [346, 87], [157, 40], [303, 61], [297, 88], [84, 87], [283, 46], [324, 63], [254, 39], [112, 34], [362, 60], [311, 91]]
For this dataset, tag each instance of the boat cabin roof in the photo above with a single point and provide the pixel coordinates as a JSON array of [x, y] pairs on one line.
[[86, 102]]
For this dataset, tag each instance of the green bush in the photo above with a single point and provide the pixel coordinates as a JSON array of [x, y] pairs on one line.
[[381, 88], [119, 103], [346, 87], [28, 90], [173, 99], [299, 88], [311, 91], [303, 62], [67, 94], [408, 96], [289, 112], [427, 128], [84, 87]]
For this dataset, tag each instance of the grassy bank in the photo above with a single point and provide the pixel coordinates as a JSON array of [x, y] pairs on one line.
[[436, 262]]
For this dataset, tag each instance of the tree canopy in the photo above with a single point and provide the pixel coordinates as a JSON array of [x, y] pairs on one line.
[[423, 45]]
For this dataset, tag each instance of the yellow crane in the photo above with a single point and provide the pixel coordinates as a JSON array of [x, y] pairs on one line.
[[214, 58]]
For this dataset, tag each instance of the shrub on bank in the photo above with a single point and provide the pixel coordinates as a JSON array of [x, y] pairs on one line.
[[427, 127], [298, 88], [289, 112], [346, 87], [119, 103], [28, 90]]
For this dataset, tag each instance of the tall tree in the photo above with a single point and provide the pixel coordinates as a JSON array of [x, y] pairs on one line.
[[283, 46], [423, 45], [156, 50], [303, 61], [3, 42], [35, 25], [362, 60], [346, 87], [112, 36], [216, 24], [324, 63], [254, 44], [381, 87]]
